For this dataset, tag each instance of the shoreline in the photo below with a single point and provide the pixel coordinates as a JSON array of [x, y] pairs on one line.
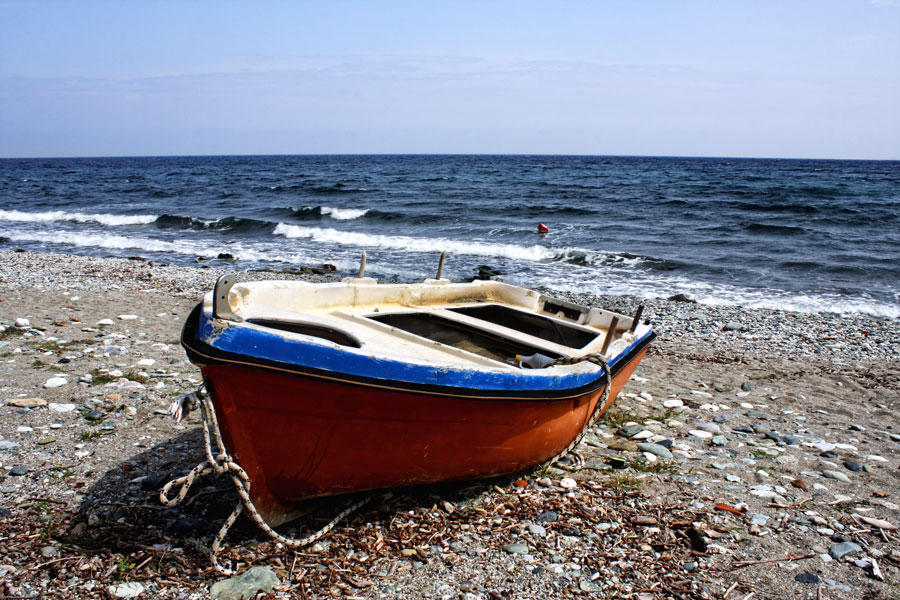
[[841, 339], [743, 402]]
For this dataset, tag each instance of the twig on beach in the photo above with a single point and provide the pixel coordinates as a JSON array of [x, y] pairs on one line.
[[789, 558]]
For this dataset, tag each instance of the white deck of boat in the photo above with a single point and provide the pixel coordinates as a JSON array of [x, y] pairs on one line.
[[346, 306]]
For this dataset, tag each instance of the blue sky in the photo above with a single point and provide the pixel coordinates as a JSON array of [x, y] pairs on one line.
[[720, 78]]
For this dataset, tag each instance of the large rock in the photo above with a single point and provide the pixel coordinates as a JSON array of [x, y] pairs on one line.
[[246, 585]]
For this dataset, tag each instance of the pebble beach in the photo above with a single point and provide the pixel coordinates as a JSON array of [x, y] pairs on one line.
[[754, 454]]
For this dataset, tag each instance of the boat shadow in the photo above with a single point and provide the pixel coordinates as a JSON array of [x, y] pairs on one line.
[[122, 511]]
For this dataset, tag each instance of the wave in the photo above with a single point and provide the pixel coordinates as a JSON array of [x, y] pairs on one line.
[[316, 189], [235, 224], [59, 215], [773, 229], [533, 253]]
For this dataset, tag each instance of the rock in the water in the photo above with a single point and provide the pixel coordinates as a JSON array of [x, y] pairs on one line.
[[132, 589], [246, 585], [839, 551]]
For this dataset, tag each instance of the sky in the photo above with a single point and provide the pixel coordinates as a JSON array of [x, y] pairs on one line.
[[761, 78]]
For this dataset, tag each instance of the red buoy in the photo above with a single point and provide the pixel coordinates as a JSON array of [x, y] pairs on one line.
[[543, 228]]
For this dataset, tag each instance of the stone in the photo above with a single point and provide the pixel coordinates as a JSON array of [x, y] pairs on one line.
[[655, 449], [61, 407], [94, 415], [673, 403], [55, 382], [128, 317], [567, 483], [630, 430], [719, 440], [548, 516], [839, 551], [246, 585], [807, 578], [624, 447], [105, 322], [538, 530], [27, 402], [515, 548], [7, 445], [837, 476], [131, 589], [703, 435], [852, 465], [49, 551], [733, 326], [18, 471]]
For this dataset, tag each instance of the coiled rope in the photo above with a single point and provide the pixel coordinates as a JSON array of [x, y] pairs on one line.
[[223, 463]]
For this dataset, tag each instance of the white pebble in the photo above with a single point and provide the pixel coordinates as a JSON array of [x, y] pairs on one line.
[[675, 403], [703, 435], [105, 322], [60, 407], [128, 317], [22, 323], [146, 362], [567, 483], [55, 382]]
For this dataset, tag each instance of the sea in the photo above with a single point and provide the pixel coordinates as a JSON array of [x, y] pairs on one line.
[[796, 235]]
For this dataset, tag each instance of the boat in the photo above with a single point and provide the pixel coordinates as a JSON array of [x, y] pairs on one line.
[[320, 389]]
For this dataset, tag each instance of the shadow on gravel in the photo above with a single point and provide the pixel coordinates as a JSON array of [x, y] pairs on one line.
[[121, 512]]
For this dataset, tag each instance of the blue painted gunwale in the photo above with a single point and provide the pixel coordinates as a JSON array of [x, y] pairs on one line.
[[257, 343]]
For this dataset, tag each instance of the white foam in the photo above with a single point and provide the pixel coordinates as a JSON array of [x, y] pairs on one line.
[[59, 215], [344, 214], [414, 244]]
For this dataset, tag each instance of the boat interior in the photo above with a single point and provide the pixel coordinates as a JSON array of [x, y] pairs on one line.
[[488, 323]]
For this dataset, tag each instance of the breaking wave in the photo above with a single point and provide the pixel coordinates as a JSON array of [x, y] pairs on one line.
[[76, 217]]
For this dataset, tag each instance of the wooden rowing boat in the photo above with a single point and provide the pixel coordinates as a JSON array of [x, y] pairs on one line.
[[329, 388]]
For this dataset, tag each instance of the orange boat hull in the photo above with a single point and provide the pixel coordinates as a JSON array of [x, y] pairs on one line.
[[300, 437]]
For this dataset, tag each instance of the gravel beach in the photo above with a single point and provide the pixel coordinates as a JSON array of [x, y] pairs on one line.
[[755, 454]]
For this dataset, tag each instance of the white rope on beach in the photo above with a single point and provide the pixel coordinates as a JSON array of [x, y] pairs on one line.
[[222, 463]]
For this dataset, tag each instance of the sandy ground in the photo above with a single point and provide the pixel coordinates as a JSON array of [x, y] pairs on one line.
[[782, 429]]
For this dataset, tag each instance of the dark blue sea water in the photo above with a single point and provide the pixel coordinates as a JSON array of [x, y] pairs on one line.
[[803, 235]]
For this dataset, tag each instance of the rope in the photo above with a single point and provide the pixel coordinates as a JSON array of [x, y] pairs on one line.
[[578, 460], [222, 463]]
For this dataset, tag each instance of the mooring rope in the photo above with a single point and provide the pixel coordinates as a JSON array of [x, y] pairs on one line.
[[578, 460], [223, 463]]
